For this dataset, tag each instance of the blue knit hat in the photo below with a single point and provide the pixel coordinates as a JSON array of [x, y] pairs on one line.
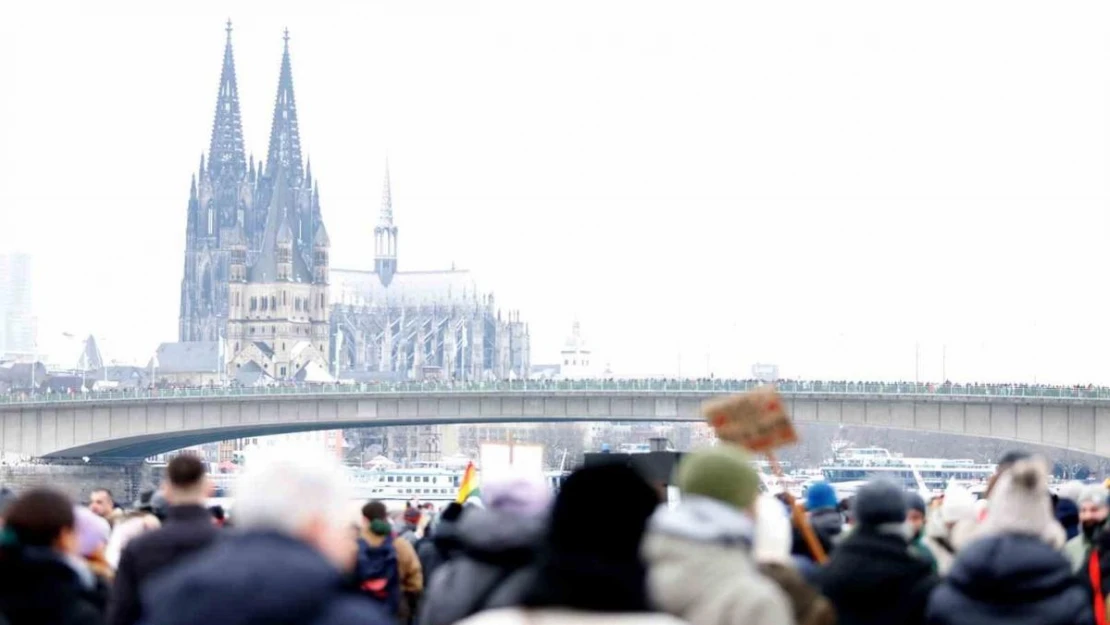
[[820, 495]]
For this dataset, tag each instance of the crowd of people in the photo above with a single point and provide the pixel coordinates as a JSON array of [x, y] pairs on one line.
[[605, 549]]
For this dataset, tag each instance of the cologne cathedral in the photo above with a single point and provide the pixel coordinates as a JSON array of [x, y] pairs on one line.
[[257, 280]]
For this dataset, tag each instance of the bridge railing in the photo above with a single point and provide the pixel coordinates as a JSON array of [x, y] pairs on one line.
[[789, 387]]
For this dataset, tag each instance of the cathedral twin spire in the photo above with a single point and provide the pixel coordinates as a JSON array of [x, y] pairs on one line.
[[227, 165], [285, 139], [278, 208], [226, 155]]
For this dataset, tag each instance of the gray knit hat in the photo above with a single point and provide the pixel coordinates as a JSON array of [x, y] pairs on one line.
[[879, 502]]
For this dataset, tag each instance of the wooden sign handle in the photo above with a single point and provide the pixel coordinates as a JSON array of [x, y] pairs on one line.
[[799, 517]]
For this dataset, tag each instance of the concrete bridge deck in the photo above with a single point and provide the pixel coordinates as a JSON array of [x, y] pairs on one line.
[[140, 424]]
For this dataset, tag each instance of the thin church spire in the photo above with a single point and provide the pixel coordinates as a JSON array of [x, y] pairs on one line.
[[285, 140], [385, 236], [386, 216], [226, 154]]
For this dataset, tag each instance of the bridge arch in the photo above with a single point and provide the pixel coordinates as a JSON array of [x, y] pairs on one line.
[[130, 426]]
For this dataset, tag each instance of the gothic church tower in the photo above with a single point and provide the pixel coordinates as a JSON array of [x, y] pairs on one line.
[[258, 276], [220, 199]]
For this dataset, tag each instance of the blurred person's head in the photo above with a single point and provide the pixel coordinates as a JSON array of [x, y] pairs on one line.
[[820, 496], [145, 501], [186, 481], [411, 516], [159, 505], [722, 473], [845, 508], [957, 506], [519, 495], [101, 502], [93, 532], [375, 518], [42, 518], [304, 496], [1093, 508], [219, 517], [915, 513], [584, 568], [1019, 503], [1008, 460], [880, 506]]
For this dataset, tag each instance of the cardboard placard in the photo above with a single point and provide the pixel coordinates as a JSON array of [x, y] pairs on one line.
[[755, 420]]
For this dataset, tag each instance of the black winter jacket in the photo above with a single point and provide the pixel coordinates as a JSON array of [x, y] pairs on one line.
[[254, 578], [187, 530], [37, 587], [488, 567], [873, 579], [1010, 579]]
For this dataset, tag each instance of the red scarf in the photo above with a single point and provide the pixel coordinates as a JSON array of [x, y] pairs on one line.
[[1095, 571]]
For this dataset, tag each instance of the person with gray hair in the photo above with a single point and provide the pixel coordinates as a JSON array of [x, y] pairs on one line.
[[1094, 505], [288, 561]]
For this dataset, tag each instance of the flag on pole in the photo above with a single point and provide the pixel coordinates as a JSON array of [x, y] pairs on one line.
[[468, 488]]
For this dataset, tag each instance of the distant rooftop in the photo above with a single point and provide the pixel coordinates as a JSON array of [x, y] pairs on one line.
[[191, 357]]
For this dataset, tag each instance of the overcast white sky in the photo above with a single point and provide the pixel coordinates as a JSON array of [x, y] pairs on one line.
[[819, 185]]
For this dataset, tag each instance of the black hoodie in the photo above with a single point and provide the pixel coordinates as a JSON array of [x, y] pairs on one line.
[[873, 579]]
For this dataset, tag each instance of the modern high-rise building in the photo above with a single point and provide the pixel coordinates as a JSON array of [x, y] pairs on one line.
[[17, 320]]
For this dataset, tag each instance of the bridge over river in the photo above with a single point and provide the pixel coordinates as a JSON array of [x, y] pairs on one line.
[[139, 424]]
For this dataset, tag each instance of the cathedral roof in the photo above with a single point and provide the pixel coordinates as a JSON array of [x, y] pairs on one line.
[[321, 239], [364, 288], [264, 269], [313, 372], [250, 374], [266, 350], [285, 232]]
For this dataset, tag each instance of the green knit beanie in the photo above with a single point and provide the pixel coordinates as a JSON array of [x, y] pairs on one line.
[[724, 473]]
